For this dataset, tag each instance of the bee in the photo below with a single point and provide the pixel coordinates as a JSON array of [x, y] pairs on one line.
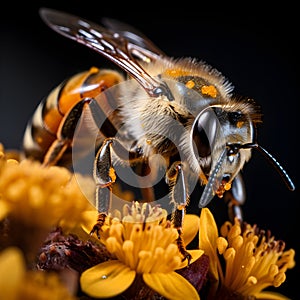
[[180, 109]]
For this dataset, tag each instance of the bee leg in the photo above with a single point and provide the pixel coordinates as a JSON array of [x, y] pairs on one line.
[[175, 178], [235, 198], [65, 134], [104, 176]]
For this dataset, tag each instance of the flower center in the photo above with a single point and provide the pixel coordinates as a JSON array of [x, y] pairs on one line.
[[255, 255], [144, 240]]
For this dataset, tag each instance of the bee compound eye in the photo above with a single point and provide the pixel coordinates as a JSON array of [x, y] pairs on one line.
[[204, 133]]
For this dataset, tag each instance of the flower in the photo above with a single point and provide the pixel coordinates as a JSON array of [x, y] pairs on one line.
[[145, 250], [19, 283], [35, 199], [254, 260], [45, 225], [39, 196]]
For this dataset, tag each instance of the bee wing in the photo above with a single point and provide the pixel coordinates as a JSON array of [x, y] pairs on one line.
[[119, 47], [142, 45]]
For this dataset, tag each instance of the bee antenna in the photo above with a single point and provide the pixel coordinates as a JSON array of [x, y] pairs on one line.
[[285, 177]]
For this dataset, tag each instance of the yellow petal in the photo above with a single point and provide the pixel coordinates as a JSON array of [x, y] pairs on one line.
[[12, 271], [190, 227], [208, 228], [195, 255], [271, 296], [171, 285], [208, 234], [107, 279]]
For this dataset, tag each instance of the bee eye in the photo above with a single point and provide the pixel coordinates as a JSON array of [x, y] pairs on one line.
[[204, 133]]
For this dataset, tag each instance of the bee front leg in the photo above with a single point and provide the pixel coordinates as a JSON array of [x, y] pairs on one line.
[[104, 176], [235, 198], [179, 198]]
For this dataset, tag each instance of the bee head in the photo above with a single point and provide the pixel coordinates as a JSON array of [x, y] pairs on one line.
[[222, 139], [218, 136]]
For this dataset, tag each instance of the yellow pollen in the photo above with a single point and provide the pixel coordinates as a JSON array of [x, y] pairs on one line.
[[203, 178], [112, 174], [94, 70], [176, 72], [227, 186], [239, 124], [181, 206], [209, 90], [190, 84]]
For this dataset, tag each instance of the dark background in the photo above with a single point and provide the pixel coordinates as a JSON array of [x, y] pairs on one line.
[[254, 48]]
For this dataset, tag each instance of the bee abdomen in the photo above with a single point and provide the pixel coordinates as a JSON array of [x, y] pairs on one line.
[[42, 129]]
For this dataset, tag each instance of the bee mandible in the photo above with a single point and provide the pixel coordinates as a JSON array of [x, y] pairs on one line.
[[181, 109]]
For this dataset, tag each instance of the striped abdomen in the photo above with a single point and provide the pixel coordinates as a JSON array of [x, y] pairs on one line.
[[42, 129]]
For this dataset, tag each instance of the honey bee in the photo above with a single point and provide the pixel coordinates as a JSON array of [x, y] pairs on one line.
[[180, 109]]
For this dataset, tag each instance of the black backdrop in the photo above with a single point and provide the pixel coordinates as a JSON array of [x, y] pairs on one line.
[[254, 47]]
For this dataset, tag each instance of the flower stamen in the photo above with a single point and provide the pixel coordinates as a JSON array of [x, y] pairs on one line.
[[144, 240], [254, 260]]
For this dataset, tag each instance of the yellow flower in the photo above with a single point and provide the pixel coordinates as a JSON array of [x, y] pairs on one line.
[[38, 196], [18, 283], [254, 260], [144, 245], [35, 199]]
